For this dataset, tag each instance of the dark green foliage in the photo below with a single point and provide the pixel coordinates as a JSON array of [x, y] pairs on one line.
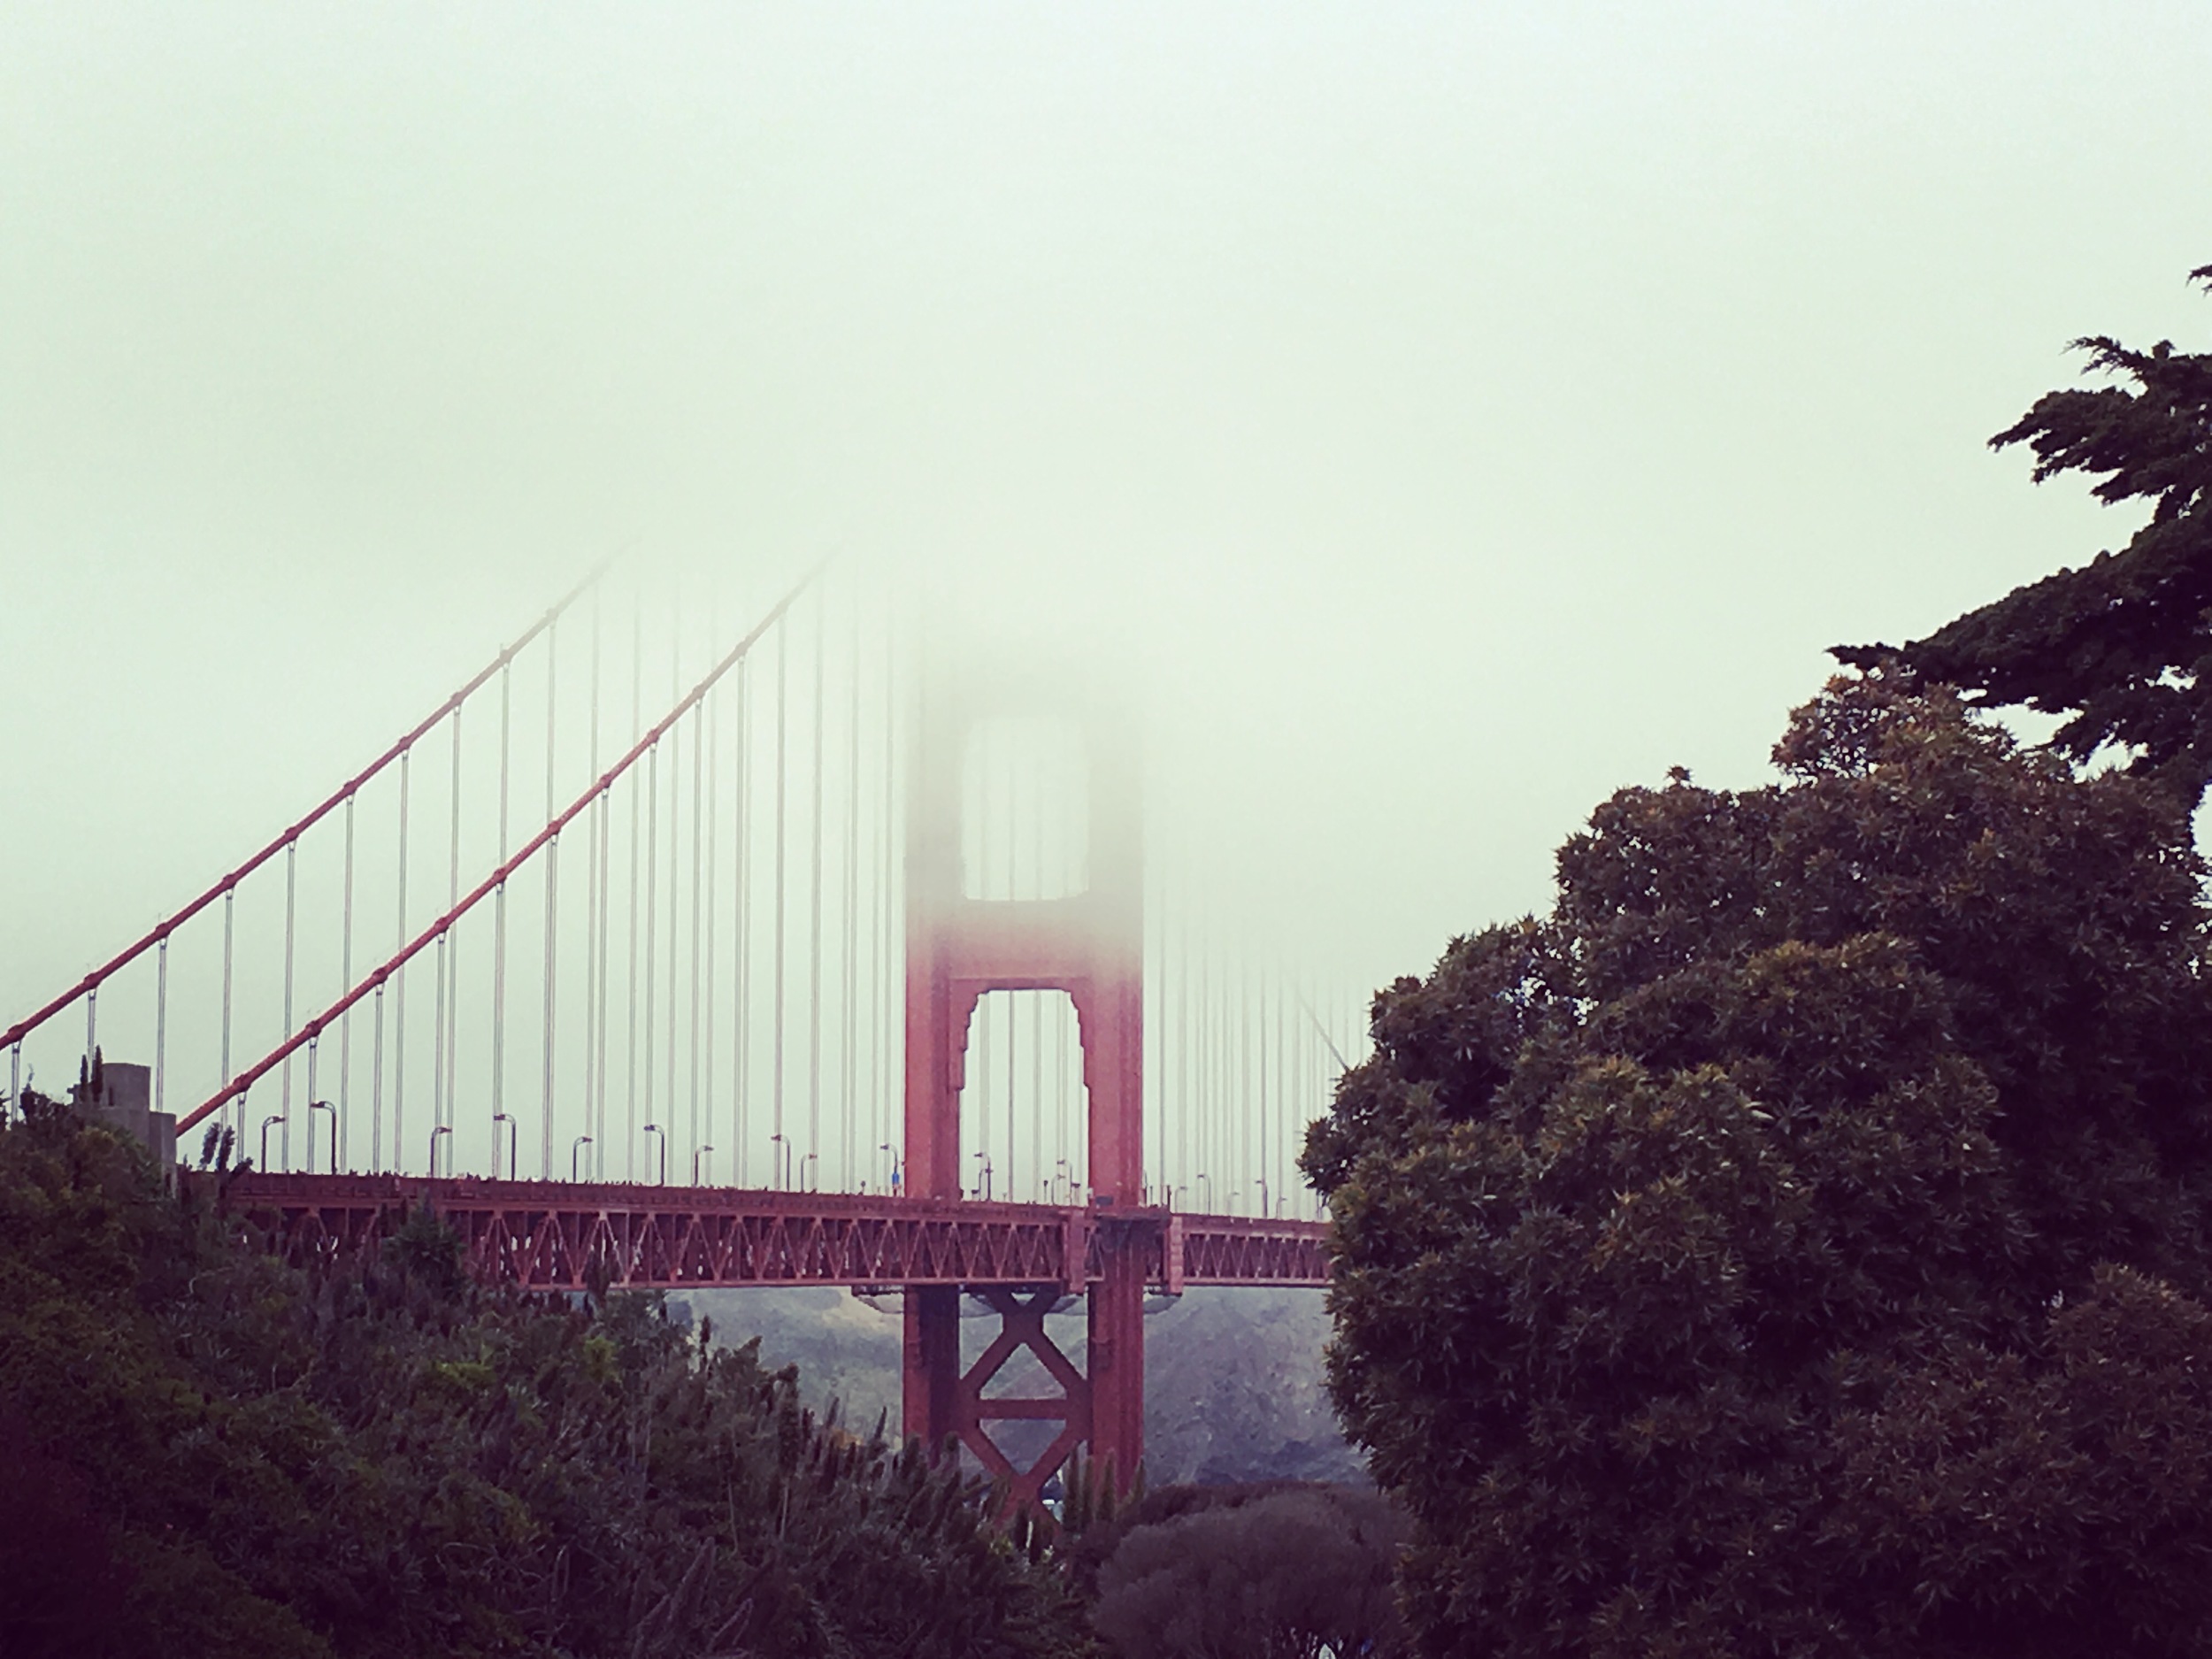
[[1280, 1571], [1795, 1243], [235, 1458], [2124, 646]]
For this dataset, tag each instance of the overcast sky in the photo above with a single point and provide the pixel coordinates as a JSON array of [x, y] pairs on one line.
[[1448, 413]]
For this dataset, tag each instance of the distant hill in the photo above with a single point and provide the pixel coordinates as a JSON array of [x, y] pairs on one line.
[[1232, 1376]]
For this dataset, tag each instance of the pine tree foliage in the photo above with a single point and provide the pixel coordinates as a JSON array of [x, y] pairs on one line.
[[2121, 647], [382, 1458]]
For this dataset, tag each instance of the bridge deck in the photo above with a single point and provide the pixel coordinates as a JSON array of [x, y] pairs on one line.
[[559, 1236]]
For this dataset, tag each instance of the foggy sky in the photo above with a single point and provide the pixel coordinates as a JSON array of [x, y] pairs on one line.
[[1447, 413]]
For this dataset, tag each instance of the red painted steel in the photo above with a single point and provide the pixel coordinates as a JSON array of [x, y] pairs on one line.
[[561, 1235], [1091, 946]]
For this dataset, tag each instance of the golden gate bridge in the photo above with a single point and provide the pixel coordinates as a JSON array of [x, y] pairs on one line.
[[876, 928]]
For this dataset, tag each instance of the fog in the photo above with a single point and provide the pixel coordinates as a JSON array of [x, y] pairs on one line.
[[1435, 417]]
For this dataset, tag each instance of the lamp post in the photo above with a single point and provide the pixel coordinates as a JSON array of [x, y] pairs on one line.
[[442, 1129], [654, 1129], [266, 1122], [313, 1107], [1206, 1193], [1265, 1209], [897, 1181], [696, 1155], [507, 1118], [815, 1158], [1060, 1173], [782, 1160], [574, 1152]]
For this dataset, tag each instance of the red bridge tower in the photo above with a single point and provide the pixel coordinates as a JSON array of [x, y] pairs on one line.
[[1090, 944]]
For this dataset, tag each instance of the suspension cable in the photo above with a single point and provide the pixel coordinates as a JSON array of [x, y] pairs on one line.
[[393, 968], [222, 888]]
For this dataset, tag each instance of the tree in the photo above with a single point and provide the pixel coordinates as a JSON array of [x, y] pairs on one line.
[[2124, 646], [224, 1457], [1283, 1570], [1795, 1242]]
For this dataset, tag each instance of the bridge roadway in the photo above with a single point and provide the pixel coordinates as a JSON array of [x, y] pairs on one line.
[[562, 1235]]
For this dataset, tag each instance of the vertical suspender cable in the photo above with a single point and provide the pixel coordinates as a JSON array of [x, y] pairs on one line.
[[341, 1157], [783, 689], [161, 1020], [1285, 1100], [291, 933], [851, 981], [442, 979], [376, 1086], [552, 896], [652, 912], [814, 952], [552, 957], [449, 952], [1250, 1083], [399, 985], [675, 867], [596, 901], [1014, 796], [606, 811], [1036, 1048], [710, 718], [499, 913], [880, 1120], [630, 1046], [1262, 1110], [591, 896], [1183, 1113], [698, 817], [1157, 1031], [741, 1051], [312, 1043], [230, 929]]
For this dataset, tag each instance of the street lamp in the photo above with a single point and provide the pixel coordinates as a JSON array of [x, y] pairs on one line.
[[1060, 1173], [696, 1155], [1265, 1209], [266, 1122], [897, 1183], [815, 1158], [574, 1151], [1206, 1196], [654, 1129], [507, 1118], [442, 1129], [313, 1107], [782, 1143]]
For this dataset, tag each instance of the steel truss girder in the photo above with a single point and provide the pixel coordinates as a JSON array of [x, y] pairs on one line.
[[545, 1235]]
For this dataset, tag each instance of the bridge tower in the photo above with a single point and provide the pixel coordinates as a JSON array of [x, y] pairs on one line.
[[1090, 944]]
